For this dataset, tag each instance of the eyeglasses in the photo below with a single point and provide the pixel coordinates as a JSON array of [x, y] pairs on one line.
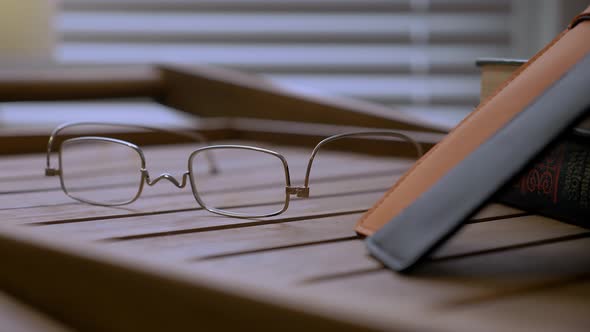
[[106, 171]]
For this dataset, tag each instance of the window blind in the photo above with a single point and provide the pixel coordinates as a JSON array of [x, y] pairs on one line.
[[414, 55]]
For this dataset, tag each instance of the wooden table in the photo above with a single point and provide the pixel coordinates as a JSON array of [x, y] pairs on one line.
[[163, 263]]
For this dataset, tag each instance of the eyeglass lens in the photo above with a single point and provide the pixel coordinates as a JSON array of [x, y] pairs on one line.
[[100, 171], [256, 180]]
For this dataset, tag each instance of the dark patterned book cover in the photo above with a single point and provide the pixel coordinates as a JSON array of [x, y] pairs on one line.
[[556, 185]]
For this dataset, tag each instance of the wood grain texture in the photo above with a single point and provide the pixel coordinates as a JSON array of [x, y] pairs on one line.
[[163, 262]]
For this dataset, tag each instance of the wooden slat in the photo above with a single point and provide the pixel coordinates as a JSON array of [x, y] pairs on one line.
[[539, 308], [504, 233]]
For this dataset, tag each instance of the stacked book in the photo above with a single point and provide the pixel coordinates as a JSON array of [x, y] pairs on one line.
[[557, 184]]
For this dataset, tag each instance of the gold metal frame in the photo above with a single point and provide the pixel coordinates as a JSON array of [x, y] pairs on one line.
[[298, 191]]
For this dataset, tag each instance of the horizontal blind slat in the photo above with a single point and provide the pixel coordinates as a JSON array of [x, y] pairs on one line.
[[258, 27], [285, 5], [300, 55], [310, 23]]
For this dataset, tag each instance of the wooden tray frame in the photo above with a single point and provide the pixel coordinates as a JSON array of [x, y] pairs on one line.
[[226, 101]]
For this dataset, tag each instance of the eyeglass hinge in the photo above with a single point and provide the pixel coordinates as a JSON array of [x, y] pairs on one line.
[[299, 191], [51, 172]]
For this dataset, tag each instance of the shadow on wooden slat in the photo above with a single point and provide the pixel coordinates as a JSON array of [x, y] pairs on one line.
[[435, 267], [507, 248], [516, 291], [275, 248], [231, 226]]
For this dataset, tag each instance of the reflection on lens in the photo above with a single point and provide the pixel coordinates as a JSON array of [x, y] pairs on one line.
[[249, 182], [100, 171]]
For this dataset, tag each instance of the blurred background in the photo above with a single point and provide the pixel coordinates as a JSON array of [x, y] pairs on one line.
[[416, 56]]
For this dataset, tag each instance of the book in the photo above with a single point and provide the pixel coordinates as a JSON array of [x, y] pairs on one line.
[[542, 101], [494, 72], [557, 184]]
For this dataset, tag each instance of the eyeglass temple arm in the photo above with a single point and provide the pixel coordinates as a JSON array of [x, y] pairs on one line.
[[417, 146], [49, 171]]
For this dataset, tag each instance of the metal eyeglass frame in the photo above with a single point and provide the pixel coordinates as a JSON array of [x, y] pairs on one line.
[[298, 191]]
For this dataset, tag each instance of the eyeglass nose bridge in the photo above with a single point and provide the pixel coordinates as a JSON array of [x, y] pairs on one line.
[[179, 184]]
